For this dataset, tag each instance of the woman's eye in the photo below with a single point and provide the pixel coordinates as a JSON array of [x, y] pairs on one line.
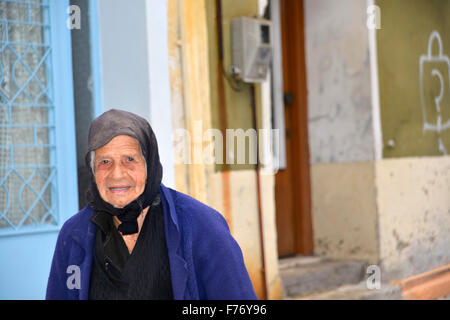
[[105, 161], [130, 159]]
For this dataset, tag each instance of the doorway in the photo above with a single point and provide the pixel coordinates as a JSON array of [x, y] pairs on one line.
[[292, 185]]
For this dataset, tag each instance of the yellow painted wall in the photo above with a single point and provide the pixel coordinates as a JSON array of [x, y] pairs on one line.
[[345, 225], [414, 214], [238, 103], [406, 26]]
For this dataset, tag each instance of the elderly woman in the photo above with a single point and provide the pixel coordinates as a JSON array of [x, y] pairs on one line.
[[138, 239]]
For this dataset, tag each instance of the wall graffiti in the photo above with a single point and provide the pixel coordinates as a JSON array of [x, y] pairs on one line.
[[436, 115]]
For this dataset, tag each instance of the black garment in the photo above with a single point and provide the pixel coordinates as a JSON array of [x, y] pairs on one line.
[[104, 128], [142, 275]]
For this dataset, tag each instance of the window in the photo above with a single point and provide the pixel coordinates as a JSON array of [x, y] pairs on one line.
[[28, 183]]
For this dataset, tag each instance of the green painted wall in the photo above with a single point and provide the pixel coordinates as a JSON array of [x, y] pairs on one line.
[[406, 26], [238, 104]]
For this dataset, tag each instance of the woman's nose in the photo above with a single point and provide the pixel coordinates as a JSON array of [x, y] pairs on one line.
[[117, 171]]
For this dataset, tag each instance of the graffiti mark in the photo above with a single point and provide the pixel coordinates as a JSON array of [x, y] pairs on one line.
[[434, 61]]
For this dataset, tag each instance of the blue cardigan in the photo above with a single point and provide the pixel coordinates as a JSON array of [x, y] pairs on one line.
[[205, 261]]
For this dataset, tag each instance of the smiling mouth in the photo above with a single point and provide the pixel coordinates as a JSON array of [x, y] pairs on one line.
[[119, 189]]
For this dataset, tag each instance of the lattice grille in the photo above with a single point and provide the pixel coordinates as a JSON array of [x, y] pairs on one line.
[[27, 159]]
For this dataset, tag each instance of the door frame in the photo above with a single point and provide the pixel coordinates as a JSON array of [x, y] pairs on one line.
[[293, 53]]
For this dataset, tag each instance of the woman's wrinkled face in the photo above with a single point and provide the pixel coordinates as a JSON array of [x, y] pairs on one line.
[[120, 171]]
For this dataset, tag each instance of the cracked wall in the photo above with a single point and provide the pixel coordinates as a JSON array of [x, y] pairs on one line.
[[414, 214], [340, 129], [338, 81]]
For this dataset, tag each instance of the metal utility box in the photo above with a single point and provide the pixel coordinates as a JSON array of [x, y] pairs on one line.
[[252, 48]]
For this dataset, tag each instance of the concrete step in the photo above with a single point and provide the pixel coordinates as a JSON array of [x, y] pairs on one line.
[[304, 275], [357, 291]]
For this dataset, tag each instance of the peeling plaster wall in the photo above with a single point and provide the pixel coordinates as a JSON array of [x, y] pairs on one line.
[[340, 129], [245, 227], [345, 225], [414, 214], [244, 223], [338, 81]]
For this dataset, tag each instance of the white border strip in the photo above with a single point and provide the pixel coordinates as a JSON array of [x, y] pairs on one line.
[[279, 142], [375, 91], [159, 85]]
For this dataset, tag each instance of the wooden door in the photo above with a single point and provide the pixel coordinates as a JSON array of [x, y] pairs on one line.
[[292, 185]]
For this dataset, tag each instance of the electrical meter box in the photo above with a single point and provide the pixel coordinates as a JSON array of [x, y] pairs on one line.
[[252, 48]]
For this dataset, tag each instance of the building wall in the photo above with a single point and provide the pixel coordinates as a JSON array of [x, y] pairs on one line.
[[338, 75], [193, 60], [125, 59], [407, 97], [391, 212], [344, 211], [340, 129], [414, 214], [412, 178], [241, 179], [391, 208], [135, 71]]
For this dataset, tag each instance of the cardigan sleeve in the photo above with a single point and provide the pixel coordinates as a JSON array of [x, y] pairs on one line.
[[218, 259], [56, 285], [66, 268]]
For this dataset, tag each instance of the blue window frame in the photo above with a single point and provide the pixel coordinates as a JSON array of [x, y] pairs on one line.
[[37, 144], [38, 172]]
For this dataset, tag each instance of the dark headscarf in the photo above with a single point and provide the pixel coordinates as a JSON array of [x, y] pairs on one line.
[[118, 122]]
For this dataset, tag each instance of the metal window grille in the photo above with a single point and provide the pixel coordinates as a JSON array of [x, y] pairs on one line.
[[27, 143]]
